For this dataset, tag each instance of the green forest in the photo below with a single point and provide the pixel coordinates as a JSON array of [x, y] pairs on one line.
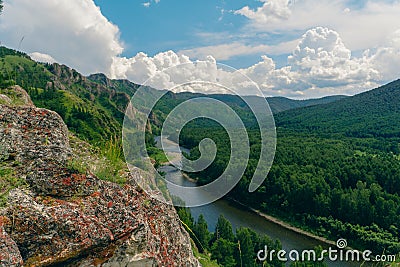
[[341, 187], [336, 171], [231, 249]]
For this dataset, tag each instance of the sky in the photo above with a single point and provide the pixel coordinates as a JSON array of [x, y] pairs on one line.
[[293, 48]]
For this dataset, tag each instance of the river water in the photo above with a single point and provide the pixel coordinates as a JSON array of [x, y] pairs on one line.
[[240, 217]]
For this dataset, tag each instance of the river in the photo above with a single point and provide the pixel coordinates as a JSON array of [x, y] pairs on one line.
[[240, 217]]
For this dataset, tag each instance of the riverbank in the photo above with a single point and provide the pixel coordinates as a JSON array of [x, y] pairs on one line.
[[187, 177], [264, 216], [272, 219], [283, 224]]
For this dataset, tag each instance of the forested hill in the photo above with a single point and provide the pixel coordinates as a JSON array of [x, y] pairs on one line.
[[374, 113], [93, 107], [279, 104]]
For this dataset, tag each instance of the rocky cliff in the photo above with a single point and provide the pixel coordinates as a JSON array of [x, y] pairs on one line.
[[57, 215]]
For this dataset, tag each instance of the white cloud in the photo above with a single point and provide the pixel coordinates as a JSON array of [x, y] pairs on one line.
[[74, 32], [320, 65], [387, 59], [228, 51], [148, 4], [361, 28], [271, 11], [39, 57], [325, 61]]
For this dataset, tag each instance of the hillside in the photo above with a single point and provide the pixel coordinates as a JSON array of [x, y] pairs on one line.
[[279, 104], [93, 107], [64, 201], [54, 209], [91, 110], [373, 113], [336, 169]]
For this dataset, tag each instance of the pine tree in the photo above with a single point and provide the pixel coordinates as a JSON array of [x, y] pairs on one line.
[[201, 231], [223, 229]]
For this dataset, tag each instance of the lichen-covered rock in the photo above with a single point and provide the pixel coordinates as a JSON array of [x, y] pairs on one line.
[[5, 99], [75, 219], [15, 96], [9, 252], [29, 134]]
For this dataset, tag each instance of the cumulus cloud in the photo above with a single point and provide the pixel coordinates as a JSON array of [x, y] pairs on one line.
[[321, 64], [77, 34], [324, 61], [271, 11], [387, 59], [361, 28], [44, 58], [74, 32], [148, 4]]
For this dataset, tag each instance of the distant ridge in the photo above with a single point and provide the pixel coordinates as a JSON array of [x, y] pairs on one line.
[[279, 104], [375, 113]]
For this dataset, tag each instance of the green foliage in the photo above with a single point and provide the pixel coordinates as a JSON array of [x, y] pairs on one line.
[[77, 166], [223, 229], [337, 160], [321, 177], [185, 216], [280, 104], [311, 263], [222, 251], [157, 155], [8, 181], [226, 248], [371, 114], [200, 229], [92, 111], [204, 258], [113, 153]]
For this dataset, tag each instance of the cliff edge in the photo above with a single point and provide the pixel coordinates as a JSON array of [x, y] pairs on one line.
[[55, 215]]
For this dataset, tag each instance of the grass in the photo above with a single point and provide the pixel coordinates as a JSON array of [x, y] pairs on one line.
[[204, 259], [113, 153], [8, 181], [15, 98], [106, 162], [157, 155]]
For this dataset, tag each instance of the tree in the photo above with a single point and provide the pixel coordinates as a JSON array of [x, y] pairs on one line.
[[1, 6], [185, 216], [246, 255], [200, 229], [223, 229], [222, 251]]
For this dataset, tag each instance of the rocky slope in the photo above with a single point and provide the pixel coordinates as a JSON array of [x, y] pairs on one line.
[[60, 216]]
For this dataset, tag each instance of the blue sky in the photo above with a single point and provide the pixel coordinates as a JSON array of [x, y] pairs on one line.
[[179, 25], [293, 48]]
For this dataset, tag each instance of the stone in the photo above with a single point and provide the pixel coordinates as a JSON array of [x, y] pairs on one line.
[[70, 218]]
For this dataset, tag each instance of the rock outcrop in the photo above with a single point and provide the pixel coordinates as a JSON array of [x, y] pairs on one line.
[[71, 218]]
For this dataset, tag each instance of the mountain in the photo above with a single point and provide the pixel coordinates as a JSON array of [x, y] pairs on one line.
[[279, 104], [374, 113], [91, 109]]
